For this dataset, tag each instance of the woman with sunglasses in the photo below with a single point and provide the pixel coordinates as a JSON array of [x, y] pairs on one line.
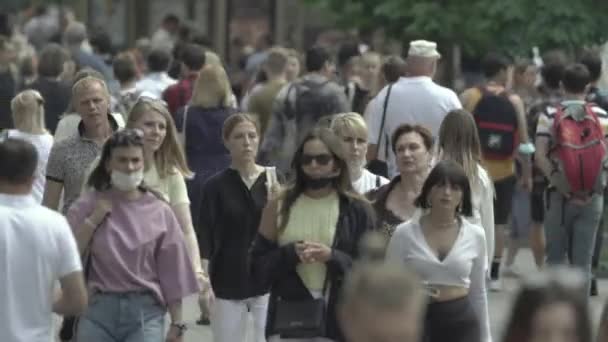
[[138, 265], [449, 254], [166, 167], [230, 211], [551, 306], [394, 202], [309, 237]]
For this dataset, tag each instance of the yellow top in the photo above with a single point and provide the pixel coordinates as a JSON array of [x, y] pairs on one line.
[[497, 169], [313, 220]]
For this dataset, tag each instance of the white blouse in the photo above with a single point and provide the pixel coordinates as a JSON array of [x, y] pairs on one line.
[[465, 265], [482, 196]]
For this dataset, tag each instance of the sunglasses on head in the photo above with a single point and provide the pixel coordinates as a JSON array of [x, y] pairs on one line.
[[320, 159]]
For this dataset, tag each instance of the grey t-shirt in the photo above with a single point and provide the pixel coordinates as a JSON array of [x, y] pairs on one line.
[[68, 164]]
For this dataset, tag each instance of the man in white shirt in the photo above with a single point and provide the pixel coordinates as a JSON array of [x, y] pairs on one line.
[[157, 80], [414, 99], [37, 249]]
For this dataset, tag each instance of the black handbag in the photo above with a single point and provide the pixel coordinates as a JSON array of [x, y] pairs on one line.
[[377, 166], [301, 318]]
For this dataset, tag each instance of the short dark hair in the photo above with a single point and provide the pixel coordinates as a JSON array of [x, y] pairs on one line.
[[101, 40], [393, 68], [19, 160], [447, 172], [346, 52], [171, 19], [425, 134], [159, 60], [576, 78], [51, 60], [193, 56], [316, 57], [124, 67], [493, 63], [552, 71], [593, 61]]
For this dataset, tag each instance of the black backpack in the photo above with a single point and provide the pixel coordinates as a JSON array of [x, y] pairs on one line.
[[496, 120], [311, 104]]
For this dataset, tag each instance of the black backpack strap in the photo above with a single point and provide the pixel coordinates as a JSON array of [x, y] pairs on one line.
[[289, 110], [377, 181], [380, 135]]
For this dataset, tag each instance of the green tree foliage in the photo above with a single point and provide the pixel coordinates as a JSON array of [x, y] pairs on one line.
[[478, 25]]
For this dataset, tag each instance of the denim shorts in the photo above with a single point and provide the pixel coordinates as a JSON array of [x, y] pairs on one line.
[[125, 317]]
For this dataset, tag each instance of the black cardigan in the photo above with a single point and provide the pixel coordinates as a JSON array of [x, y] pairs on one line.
[[274, 266], [229, 218]]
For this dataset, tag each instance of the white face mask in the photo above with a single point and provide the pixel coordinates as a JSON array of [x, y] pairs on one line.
[[127, 181]]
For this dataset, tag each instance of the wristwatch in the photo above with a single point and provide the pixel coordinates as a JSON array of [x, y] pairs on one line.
[[181, 328]]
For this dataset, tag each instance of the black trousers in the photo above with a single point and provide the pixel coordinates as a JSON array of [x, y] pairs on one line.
[[451, 321]]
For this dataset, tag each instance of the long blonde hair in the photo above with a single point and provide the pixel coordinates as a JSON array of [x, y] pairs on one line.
[[170, 156], [459, 141], [212, 88], [28, 112]]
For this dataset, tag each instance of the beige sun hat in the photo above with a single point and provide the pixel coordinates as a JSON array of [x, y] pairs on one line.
[[423, 48]]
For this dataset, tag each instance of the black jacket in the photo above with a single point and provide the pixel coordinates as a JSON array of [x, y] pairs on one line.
[[274, 266], [228, 219]]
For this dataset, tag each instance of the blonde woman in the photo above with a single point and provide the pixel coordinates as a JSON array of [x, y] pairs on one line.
[[166, 167], [28, 116], [459, 141], [352, 132]]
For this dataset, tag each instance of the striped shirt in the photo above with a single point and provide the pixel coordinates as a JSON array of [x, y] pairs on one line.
[[545, 121]]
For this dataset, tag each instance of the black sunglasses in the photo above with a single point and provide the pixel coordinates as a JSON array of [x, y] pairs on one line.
[[320, 159]]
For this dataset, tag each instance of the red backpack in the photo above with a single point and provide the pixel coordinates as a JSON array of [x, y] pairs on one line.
[[580, 150]]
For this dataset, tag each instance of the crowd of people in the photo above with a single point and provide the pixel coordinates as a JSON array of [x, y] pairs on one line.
[[354, 201]]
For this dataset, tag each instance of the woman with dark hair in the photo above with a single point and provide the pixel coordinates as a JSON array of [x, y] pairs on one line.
[[229, 215], [138, 264], [449, 254], [394, 202], [308, 239], [551, 306]]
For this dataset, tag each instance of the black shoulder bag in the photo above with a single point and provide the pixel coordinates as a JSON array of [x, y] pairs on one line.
[[303, 318], [377, 166]]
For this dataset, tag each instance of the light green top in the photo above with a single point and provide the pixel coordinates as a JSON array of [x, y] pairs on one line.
[[313, 220]]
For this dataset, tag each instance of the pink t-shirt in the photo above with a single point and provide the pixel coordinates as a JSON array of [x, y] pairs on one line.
[[138, 247]]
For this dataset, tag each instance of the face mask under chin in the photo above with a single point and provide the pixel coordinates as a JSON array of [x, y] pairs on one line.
[[318, 183]]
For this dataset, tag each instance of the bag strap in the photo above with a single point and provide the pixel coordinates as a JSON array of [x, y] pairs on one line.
[[377, 181], [384, 107]]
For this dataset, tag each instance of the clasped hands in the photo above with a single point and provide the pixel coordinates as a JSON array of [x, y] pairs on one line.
[[311, 252]]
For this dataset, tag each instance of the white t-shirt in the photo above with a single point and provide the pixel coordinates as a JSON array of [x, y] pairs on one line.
[[368, 181], [38, 249], [43, 144], [413, 100], [465, 265]]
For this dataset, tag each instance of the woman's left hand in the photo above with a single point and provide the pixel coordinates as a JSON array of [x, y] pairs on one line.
[[316, 252], [173, 335]]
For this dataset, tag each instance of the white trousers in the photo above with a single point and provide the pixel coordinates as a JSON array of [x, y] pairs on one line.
[[229, 319]]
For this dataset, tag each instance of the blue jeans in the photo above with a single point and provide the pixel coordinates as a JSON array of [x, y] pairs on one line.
[[570, 231], [122, 317]]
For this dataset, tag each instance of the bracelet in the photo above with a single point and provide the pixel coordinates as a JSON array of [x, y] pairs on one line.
[[181, 328]]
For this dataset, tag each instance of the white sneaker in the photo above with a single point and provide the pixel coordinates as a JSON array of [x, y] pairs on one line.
[[495, 285], [511, 272]]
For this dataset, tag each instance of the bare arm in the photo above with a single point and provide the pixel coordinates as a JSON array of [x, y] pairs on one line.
[[175, 311], [52, 194], [184, 217], [73, 298]]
